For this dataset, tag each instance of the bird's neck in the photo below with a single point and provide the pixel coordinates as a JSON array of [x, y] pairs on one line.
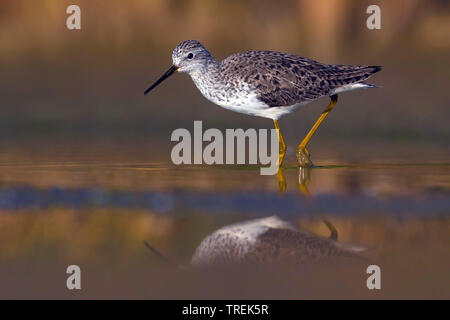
[[207, 77], [210, 69]]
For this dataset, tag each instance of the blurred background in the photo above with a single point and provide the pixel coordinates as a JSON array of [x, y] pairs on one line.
[[57, 81], [85, 169]]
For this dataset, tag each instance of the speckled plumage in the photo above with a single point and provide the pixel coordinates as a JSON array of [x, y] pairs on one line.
[[266, 83], [267, 240], [284, 79]]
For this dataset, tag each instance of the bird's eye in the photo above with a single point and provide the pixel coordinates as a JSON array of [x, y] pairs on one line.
[[190, 55]]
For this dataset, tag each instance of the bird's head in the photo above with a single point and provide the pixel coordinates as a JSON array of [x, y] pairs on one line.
[[189, 56]]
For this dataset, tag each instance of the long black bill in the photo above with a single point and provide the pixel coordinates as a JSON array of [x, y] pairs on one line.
[[169, 72]]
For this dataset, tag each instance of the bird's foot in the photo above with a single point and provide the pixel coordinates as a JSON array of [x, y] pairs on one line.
[[304, 157]]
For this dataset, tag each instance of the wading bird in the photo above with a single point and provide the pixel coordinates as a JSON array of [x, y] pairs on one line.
[[267, 84]]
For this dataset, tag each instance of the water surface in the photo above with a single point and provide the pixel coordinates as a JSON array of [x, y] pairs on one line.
[[95, 206]]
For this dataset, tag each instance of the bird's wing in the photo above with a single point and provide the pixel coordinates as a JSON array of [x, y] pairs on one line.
[[285, 80]]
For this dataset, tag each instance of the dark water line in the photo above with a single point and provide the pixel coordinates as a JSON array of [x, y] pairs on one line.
[[263, 202]]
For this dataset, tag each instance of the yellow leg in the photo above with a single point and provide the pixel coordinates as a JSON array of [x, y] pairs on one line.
[[281, 181], [304, 176], [303, 155], [282, 145]]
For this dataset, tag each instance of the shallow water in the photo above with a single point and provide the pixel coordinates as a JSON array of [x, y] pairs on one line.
[[95, 206]]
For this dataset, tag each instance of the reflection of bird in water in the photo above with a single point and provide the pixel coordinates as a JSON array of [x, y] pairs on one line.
[[268, 240], [304, 177]]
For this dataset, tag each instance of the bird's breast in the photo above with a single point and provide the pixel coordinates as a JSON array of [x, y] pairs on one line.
[[227, 94]]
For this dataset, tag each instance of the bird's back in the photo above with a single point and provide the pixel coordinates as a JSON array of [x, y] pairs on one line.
[[284, 80]]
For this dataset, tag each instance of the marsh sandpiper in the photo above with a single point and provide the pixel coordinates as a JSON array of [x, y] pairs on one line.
[[267, 84]]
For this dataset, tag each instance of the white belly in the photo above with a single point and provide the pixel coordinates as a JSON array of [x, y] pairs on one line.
[[262, 110], [243, 100], [246, 101]]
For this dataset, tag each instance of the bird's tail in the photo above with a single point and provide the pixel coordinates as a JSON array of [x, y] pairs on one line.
[[341, 75]]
